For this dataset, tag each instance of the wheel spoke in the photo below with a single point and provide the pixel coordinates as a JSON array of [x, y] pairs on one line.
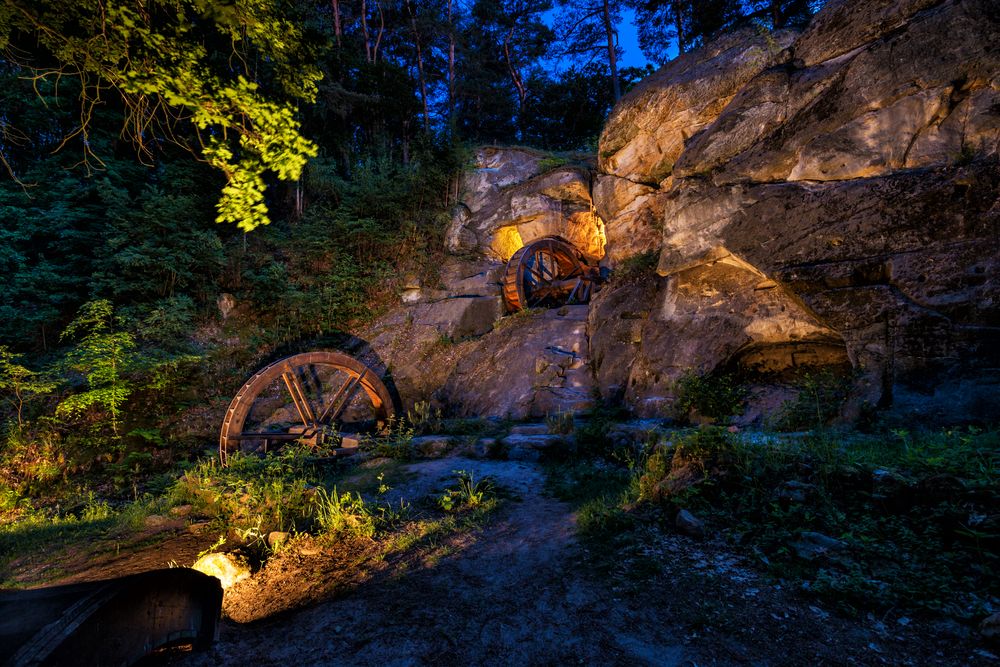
[[547, 263], [299, 396], [341, 400]]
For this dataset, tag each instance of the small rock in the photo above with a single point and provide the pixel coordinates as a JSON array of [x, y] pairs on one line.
[[794, 491], [811, 545], [532, 447], [158, 521], [276, 537], [411, 295], [200, 527], [689, 524], [431, 446], [530, 429], [989, 628], [486, 448], [225, 567], [180, 511], [819, 612]]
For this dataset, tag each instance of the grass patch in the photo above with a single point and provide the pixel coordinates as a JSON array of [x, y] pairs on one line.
[[42, 532], [602, 494], [906, 520]]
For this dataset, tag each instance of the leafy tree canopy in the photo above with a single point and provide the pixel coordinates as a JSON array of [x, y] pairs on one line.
[[221, 79]]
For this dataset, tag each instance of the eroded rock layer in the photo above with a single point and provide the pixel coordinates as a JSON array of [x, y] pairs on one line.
[[856, 171]]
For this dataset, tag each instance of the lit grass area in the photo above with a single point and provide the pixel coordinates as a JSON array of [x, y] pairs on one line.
[[245, 502]]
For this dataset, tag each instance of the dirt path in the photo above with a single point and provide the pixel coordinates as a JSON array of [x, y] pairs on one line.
[[507, 595], [519, 592]]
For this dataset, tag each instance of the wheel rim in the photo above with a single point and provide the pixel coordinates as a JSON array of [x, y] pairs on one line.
[[309, 396]]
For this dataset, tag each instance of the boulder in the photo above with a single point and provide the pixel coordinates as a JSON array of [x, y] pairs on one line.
[[494, 169], [915, 94], [465, 278], [276, 538], [648, 128], [637, 211], [459, 317], [903, 267], [227, 568], [431, 446], [689, 524], [814, 546], [422, 340], [845, 25]]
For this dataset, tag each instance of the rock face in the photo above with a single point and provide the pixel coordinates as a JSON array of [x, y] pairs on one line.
[[853, 176], [921, 91], [717, 314], [647, 131], [819, 203], [514, 196], [449, 349], [536, 366]]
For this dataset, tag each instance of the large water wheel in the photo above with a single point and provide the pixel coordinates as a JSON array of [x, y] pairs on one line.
[[548, 272], [319, 398]]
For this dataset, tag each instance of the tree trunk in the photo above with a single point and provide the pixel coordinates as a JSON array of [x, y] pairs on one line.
[[381, 29], [420, 65], [612, 35], [679, 26], [335, 6], [515, 74], [364, 31], [451, 67]]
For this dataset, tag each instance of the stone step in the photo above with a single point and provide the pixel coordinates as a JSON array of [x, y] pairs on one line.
[[574, 313], [530, 429]]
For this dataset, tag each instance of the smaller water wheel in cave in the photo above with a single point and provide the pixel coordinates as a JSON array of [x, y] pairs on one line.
[[549, 272], [324, 399]]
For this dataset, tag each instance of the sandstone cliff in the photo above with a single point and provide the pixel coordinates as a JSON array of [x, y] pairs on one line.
[[855, 172], [828, 201]]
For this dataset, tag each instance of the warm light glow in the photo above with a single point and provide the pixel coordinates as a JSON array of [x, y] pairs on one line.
[[223, 567], [506, 242], [585, 230]]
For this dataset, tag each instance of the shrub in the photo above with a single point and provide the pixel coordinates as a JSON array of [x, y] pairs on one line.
[[466, 493], [716, 396], [343, 514]]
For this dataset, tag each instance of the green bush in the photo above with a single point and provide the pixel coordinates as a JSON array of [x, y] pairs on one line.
[[716, 396]]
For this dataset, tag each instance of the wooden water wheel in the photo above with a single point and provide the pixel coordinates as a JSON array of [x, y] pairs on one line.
[[548, 272], [319, 398]]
